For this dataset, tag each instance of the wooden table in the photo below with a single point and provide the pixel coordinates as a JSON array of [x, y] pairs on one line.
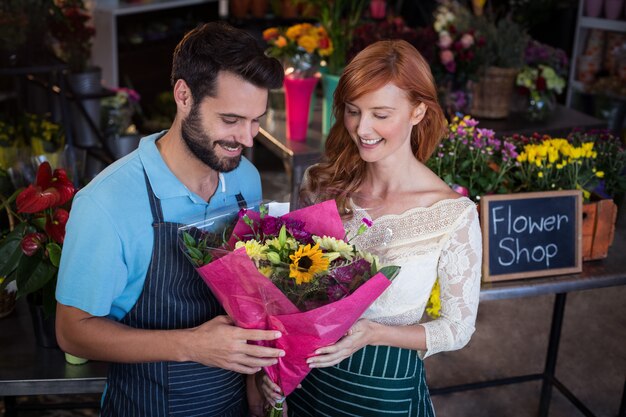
[[298, 156], [26, 369]]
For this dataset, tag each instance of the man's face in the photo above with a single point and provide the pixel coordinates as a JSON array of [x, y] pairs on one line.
[[217, 129]]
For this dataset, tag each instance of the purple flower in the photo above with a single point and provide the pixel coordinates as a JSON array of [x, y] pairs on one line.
[[296, 228], [367, 222], [270, 226], [345, 274], [336, 292]]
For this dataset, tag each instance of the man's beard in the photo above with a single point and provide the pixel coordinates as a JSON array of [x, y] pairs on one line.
[[201, 145]]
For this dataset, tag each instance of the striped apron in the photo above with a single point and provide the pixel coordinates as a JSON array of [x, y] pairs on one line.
[[173, 297], [375, 381]]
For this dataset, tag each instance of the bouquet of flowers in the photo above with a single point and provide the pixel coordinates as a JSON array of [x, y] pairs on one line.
[[473, 160], [300, 47], [118, 111], [535, 80], [339, 18], [458, 57], [540, 84], [295, 273], [74, 32]]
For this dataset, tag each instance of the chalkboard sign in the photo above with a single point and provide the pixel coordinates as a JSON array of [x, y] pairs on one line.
[[531, 234]]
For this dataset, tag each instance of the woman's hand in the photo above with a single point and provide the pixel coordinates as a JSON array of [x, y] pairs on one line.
[[359, 335], [269, 390]]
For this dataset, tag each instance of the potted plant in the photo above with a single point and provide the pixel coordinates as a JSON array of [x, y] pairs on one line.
[[30, 253], [501, 59], [24, 35], [117, 124], [458, 58], [73, 31], [473, 161], [593, 162]]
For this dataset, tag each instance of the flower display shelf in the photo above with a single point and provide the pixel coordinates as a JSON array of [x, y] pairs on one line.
[[598, 228]]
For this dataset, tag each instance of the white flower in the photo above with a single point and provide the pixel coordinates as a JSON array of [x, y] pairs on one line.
[[331, 244], [369, 257]]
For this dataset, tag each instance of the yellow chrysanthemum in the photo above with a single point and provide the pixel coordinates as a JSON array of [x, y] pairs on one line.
[[306, 262], [433, 307], [331, 244], [254, 250]]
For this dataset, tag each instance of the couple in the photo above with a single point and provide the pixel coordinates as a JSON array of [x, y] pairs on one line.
[[127, 295]]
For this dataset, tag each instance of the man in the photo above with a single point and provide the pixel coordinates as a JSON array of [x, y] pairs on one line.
[[126, 293]]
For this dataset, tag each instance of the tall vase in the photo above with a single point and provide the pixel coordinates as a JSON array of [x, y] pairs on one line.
[[329, 84], [540, 106], [298, 93], [84, 84]]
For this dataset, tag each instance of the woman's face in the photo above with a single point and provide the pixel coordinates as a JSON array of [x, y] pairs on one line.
[[380, 122]]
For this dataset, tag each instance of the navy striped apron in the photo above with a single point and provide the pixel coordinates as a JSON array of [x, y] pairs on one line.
[[375, 381], [174, 296]]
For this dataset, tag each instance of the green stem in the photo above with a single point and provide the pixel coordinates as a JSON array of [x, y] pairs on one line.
[[277, 409]]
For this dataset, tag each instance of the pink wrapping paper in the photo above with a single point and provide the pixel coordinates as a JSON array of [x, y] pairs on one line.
[[254, 302]]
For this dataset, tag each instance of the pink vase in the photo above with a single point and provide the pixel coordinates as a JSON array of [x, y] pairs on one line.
[[593, 8], [298, 93], [613, 9]]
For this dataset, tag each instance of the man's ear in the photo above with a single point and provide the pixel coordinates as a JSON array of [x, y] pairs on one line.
[[182, 97], [418, 113]]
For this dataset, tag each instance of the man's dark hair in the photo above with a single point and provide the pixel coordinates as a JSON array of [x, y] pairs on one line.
[[217, 46]]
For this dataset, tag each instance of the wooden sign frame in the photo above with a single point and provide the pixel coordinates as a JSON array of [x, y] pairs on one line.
[[485, 204]]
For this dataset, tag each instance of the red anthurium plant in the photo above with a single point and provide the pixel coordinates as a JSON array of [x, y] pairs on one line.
[[30, 253]]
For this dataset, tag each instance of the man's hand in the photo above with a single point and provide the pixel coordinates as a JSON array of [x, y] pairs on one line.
[[220, 343]]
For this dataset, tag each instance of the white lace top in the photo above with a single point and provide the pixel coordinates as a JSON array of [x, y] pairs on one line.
[[443, 240]]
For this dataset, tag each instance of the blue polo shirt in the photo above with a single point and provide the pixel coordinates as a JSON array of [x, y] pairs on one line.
[[109, 239]]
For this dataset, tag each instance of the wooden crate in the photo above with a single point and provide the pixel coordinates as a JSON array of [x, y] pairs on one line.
[[598, 228]]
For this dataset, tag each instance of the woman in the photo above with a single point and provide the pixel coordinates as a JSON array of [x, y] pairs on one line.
[[388, 124]]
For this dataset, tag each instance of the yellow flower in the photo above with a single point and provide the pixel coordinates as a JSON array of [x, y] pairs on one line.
[[266, 270], [294, 32], [600, 174], [306, 262], [433, 307], [254, 250], [308, 43]]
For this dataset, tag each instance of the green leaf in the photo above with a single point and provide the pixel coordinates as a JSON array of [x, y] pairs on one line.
[[32, 273], [10, 250], [390, 271], [195, 253], [188, 240], [54, 252]]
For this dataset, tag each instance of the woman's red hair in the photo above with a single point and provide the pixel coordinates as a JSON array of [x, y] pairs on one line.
[[392, 61]]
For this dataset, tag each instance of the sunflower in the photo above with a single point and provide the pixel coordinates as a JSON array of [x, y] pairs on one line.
[[306, 262]]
